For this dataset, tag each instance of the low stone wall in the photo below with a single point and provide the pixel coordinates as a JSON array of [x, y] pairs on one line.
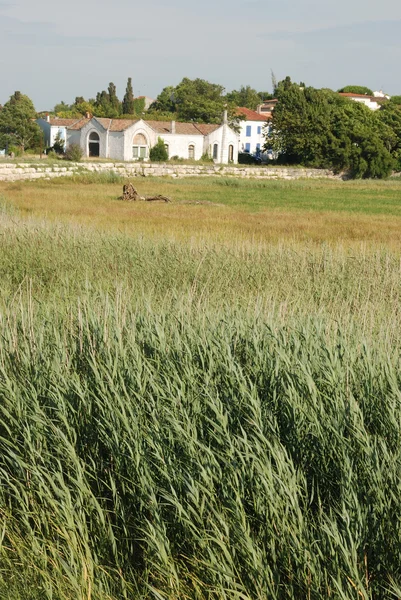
[[16, 172]]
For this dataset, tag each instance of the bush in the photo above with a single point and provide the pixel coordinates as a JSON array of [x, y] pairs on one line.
[[158, 153], [52, 155], [74, 153], [15, 150]]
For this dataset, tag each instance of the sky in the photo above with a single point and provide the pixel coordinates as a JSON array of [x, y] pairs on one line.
[[57, 51]]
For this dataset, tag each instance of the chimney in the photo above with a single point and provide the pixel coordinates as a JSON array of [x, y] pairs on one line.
[[172, 126], [88, 115], [48, 118], [225, 119]]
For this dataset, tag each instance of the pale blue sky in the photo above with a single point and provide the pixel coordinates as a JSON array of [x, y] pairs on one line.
[[54, 54]]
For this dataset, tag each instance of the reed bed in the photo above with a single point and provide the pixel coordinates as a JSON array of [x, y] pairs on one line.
[[191, 421]]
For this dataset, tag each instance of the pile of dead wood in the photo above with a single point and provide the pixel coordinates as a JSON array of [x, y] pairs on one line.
[[130, 194]]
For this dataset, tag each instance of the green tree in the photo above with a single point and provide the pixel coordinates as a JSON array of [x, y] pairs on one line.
[[158, 153], [319, 128], [62, 107], [194, 100], [356, 89], [128, 107], [17, 125], [107, 103], [389, 117], [395, 99], [113, 99], [245, 96], [58, 145]]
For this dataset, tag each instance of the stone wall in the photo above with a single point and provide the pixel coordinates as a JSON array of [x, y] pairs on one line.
[[15, 172]]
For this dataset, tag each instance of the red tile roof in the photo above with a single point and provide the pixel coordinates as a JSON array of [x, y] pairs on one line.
[[58, 121], [183, 128], [116, 124], [79, 124], [158, 126], [352, 95], [252, 115]]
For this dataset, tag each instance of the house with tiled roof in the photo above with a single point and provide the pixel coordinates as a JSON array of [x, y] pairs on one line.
[[53, 126], [253, 130], [126, 139], [373, 102]]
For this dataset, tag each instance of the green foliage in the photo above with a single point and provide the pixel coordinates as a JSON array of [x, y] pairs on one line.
[[319, 128], [58, 145], [74, 153], [245, 96], [357, 89], [158, 153], [139, 106], [17, 126], [390, 116], [62, 107], [395, 100], [107, 103], [195, 100], [128, 100]]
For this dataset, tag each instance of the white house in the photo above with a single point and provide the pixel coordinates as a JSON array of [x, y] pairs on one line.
[[123, 139], [51, 126], [253, 132], [373, 102]]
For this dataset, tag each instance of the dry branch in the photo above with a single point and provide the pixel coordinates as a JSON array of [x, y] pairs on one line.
[[130, 194]]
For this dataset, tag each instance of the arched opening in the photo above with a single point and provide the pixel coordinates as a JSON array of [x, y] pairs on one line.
[[191, 151], [166, 147], [230, 153], [139, 146], [93, 145], [215, 151]]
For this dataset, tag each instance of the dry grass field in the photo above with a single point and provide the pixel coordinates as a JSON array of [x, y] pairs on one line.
[[225, 210]]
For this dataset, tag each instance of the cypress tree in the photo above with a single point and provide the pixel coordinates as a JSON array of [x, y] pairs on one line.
[[128, 100]]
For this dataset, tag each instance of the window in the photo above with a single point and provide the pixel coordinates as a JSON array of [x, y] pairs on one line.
[[140, 146], [257, 147], [167, 150], [259, 129], [247, 147], [215, 151], [230, 153], [191, 151], [248, 131]]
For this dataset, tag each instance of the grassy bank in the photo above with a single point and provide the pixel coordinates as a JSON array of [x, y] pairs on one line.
[[222, 210], [187, 418]]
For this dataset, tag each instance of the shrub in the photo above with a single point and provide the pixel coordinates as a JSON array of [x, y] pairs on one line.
[[74, 153], [158, 153], [15, 150]]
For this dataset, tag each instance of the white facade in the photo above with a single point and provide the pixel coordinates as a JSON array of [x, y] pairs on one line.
[[127, 140], [373, 102], [252, 136], [53, 126]]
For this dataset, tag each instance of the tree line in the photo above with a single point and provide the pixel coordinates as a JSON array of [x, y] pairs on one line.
[[309, 126], [319, 128]]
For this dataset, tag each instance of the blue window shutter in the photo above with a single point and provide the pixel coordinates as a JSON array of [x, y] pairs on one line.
[[247, 147], [259, 129], [257, 146], [248, 131]]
